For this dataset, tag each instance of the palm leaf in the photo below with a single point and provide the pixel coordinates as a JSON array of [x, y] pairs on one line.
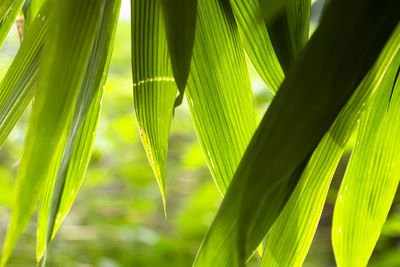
[[65, 57], [291, 235], [154, 89], [304, 108], [371, 178], [219, 92]]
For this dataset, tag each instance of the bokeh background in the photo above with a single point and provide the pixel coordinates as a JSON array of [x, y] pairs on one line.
[[117, 218]]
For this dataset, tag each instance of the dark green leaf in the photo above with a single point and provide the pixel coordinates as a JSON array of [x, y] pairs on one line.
[[180, 25], [348, 40]]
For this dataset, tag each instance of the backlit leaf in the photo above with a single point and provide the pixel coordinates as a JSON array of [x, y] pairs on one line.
[[349, 39]]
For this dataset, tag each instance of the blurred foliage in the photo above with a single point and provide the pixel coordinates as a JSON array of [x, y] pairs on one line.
[[117, 219]]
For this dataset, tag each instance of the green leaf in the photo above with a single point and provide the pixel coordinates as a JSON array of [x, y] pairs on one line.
[[219, 92], [257, 43], [154, 88], [372, 176], [5, 5], [180, 25], [30, 12], [291, 235], [305, 106], [9, 18], [65, 56], [289, 31], [16, 88], [61, 189], [270, 9]]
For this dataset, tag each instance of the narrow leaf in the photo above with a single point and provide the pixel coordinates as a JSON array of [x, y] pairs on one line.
[[4, 7], [305, 106], [9, 18], [219, 92], [16, 88], [65, 56], [371, 178], [61, 189], [154, 89], [257, 43], [180, 25], [291, 235], [30, 12], [289, 31]]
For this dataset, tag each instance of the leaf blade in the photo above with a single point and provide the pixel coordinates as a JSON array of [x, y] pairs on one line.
[[262, 183], [219, 92], [291, 235], [371, 178], [53, 105]]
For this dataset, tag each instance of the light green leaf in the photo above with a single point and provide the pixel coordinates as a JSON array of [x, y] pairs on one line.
[[291, 235], [65, 56], [219, 92], [289, 31], [257, 43], [61, 189], [372, 176], [304, 108], [16, 88], [180, 25], [9, 18], [154, 88]]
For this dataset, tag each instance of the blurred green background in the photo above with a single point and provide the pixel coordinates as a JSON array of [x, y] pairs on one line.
[[117, 218]]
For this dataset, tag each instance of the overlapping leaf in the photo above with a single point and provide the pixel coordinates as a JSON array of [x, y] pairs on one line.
[[65, 57], [348, 40], [289, 31], [257, 43], [9, 18], [180, 25], [291, 235], [61, 189], [16, 88], [154, 88], [31, 11], [4, 7], [219, 92], [372, 176]]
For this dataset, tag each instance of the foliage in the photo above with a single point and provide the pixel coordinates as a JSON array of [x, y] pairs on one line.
[[275, 176]]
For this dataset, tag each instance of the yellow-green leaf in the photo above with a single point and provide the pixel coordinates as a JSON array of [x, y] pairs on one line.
[[219, 92], [372, 176], [154, 88], [67, 48]]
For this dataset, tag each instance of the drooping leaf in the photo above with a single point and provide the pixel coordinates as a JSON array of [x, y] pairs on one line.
[[16, 88], [257, 43], [154, 89], [372, 176], [65, 56], [291, 235], [348, 40], [219, 92], [289, 31], [180, 25], [61, 189], [9, 18]]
